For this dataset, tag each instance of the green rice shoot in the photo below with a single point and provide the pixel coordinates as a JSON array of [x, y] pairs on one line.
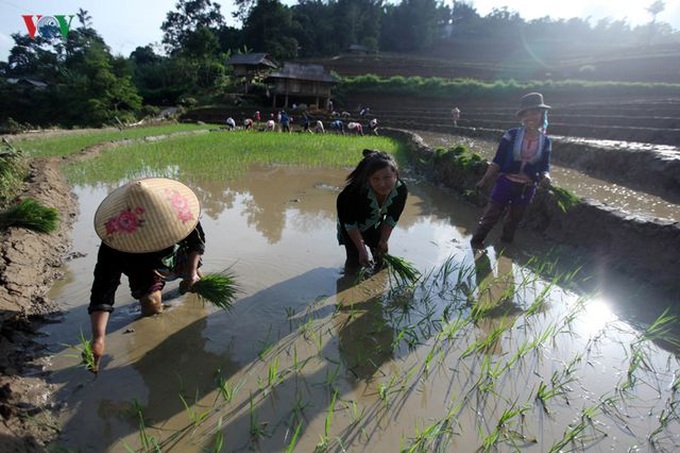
[[403, 271], [84, 352], [31, 215], [220, 289]]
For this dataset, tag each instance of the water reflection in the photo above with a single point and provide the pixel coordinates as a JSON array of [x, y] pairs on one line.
[[365, 337], [494, 308]]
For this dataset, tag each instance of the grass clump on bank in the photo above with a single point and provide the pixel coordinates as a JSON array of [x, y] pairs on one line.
[[460, 157], [13, 170], [31, 215], [565, 199]]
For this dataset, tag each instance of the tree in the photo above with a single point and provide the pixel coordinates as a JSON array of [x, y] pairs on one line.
[[189, 17], [413, 25], [270, 28]]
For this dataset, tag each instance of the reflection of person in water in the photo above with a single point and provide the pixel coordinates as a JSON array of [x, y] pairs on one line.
[[150, 232], [365, 337], [495, 298], [369, 208]]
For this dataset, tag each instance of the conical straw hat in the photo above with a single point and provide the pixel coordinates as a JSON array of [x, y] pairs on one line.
[[147, 215]]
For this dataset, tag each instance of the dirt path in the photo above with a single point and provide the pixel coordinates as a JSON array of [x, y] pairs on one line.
[[30, 264]]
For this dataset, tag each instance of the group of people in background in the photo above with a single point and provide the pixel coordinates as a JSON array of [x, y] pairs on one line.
[[282, 121], [151, 233]]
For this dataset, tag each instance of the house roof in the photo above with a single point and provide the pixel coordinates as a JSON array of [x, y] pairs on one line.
[[26, 81], [312, 72], [254, 59]]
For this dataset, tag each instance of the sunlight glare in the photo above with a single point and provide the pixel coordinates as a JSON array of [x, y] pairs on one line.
[[596, 315]]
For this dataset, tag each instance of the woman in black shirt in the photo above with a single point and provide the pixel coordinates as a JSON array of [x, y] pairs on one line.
[[369, 207]]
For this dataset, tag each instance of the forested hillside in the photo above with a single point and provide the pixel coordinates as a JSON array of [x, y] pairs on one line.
[[77, 81]]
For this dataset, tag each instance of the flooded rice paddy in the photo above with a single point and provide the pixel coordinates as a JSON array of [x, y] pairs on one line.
[[490, 351]]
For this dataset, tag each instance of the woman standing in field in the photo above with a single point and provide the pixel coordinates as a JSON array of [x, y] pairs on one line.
[[521, 162], [369, 207]]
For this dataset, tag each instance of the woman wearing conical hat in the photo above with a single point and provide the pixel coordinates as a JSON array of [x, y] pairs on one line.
[[150, 232]]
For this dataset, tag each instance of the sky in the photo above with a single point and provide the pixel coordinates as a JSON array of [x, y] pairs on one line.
[[126, 24]]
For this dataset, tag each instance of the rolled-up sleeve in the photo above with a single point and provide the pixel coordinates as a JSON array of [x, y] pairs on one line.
[[107, 273]]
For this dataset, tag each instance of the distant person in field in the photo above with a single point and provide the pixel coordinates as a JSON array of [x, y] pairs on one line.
[[522, 161], [337, 126], [285, 122], [248, 124], [231, 124], [306, 122], [318, 127], [355, 128], [373, 126], [369, 208], [258, 116], [455, 115], [271, 126]]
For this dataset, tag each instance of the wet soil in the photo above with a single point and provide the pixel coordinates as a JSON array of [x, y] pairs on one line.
[[30, 264]]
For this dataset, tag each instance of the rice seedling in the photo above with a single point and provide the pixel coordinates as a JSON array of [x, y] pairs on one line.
[[195, 417], [325, 438], [290, 448], [84, 353], [219, 442], [31, 215], [432, 437], [331, 376], [225, 390], [402, 271], [257, 429], [220, 289], [149, 443], [574, 434], [356, 414], [274, 376]]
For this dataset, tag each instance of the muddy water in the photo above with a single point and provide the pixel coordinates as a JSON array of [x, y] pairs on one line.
[[360, 364], [584, 186]]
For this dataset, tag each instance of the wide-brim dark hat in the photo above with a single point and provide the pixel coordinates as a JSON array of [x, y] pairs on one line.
[[147, 215], [532, 101]]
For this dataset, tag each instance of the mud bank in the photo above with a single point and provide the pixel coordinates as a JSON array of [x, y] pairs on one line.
[[644, 248], [30, 264]]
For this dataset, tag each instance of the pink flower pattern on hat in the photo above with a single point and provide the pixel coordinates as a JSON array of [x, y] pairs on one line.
[[180, 204], [125, 222]]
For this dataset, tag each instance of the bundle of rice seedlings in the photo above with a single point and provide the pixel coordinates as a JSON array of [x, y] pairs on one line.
[[404, 272], [220, 289], [31, 215], [565, 200]]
